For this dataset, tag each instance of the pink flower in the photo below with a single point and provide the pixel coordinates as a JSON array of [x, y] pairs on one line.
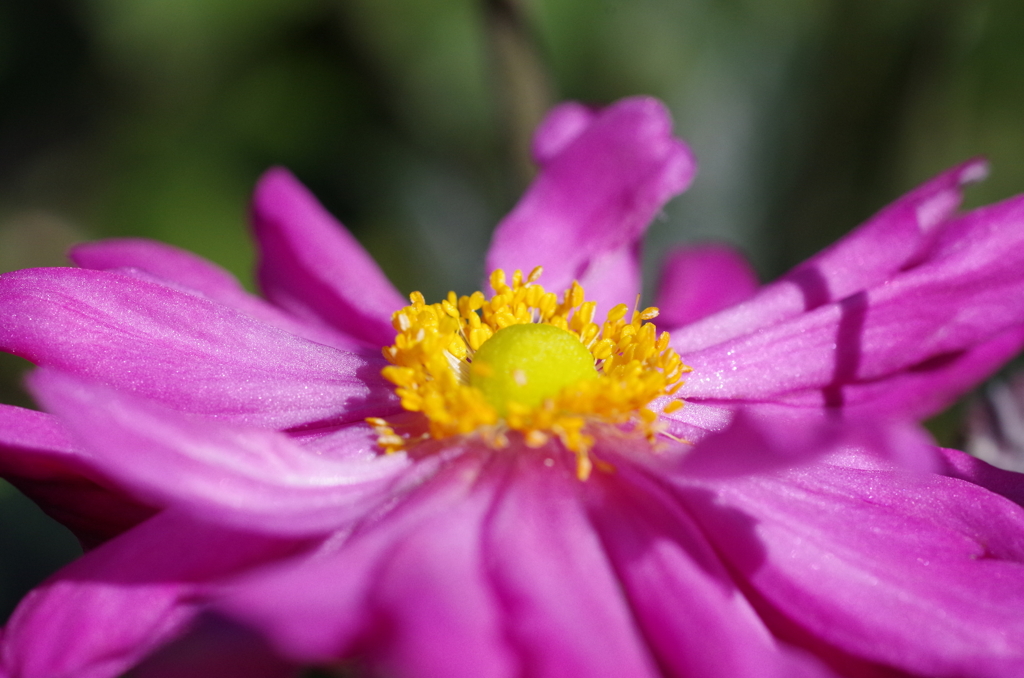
[[213, 448]]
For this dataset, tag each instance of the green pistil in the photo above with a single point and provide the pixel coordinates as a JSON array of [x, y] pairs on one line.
[[528, 363]]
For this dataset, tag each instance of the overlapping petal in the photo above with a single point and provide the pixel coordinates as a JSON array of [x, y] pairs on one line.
[[387, 588], [683, 598], [312, 267], [241, 476], [183, 351], [188, 272], [604, 176], [565, 611], [100, 615], [924, 389], [700, 280], [951, 303], [754, 439], [897, 237], [957, 464], [917, 571], [39, 457], [161, 261]]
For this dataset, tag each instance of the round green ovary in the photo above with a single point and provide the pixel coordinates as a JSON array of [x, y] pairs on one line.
[[528, 363]]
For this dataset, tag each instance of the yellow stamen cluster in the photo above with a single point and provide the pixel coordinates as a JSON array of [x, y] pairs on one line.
[[433, 353]]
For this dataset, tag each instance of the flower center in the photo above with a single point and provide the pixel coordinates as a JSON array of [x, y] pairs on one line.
[[529, 363], [525, 363]]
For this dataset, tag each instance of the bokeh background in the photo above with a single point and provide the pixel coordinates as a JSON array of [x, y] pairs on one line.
[[409, 119]]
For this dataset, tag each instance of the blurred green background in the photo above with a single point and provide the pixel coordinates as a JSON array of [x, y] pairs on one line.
[[408, 118]]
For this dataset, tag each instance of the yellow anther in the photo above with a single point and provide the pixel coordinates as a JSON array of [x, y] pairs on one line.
[[560, 322], [399, 376], [411, 401], [649, 313], [479, 335], [674, 406], [498, 280], [603, 349], [574, 297], [589, 333], [585, 314], [458, 348], [547, 304]]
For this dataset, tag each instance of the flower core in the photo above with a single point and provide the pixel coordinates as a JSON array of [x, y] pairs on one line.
[[523, 361], [527, 363]]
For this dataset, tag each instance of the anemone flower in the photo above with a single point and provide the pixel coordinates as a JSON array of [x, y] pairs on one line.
[[516, 488]]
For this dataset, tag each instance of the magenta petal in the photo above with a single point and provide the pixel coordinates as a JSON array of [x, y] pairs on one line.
[[925, 389], [31, 432], [694, 618], [406, 593], [760, 438], [949, 304], [39, 458], [896, 237], [602, 182], [248, 478], [312, 267], [699, 280], [159, 260], [560, 127], [696, 419], [520, 587], [917, 571], [891, 240], [183, 351], [763, 437], [957, 464], [611, 275], [190, 272], [564, 607], [100, 615], [433, 588]]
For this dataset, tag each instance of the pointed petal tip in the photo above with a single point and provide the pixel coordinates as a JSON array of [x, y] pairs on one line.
[[275, 174], [974, 170], [313, 268], [272, 186], [560, 127]]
